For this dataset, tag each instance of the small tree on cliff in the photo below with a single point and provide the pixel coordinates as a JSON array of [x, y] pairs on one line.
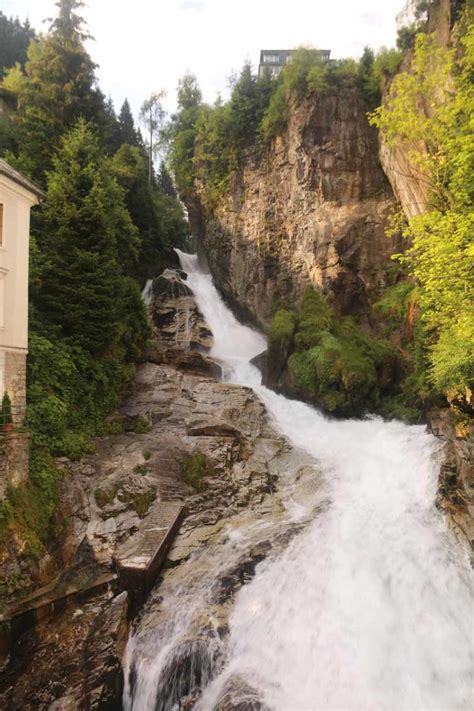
[[181, 133]]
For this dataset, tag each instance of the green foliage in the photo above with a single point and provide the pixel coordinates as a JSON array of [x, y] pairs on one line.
[[157, 215], [441, 147], [141, 425], [70, 392], [6, 417], [29, 510], [89, 243], [282, 325], [15, 36], [58, 88], [246, 108], [306, 74], [128, 131], [395, 300], [368, 82], [207, 144], [275, 118], [215, 157], [181, 134], [195, 469], [334, 362], [104, 227]]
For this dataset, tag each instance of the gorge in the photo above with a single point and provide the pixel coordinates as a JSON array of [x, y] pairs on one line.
[[364, 607], [288, 406]]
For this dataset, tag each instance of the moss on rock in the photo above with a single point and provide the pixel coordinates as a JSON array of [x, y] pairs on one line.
[[332, 361]]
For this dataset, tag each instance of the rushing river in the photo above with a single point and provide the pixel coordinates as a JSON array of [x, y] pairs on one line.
[[370, 608]]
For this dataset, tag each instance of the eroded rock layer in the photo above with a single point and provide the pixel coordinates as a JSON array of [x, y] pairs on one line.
[[312, 211]]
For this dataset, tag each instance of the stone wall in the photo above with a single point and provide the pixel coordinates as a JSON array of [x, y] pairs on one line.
[[14, 459], [15, 383]]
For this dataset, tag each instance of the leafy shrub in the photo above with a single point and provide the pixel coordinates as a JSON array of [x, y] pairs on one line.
[[440, 258], [141, 425], [335, 363], [29, 509], [282, 325]]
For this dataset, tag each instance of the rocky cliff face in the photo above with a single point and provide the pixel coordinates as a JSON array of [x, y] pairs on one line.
[[313, 211], [410, 185]]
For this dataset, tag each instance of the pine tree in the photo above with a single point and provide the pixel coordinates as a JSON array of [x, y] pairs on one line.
[[164, 181], [158, 216], [14, 40], [59, 87], [128, 132], [68, 24], [181, 133], [112, 133], [88, 242]]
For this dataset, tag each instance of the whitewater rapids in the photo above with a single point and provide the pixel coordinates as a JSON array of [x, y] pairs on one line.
[[370, 608]]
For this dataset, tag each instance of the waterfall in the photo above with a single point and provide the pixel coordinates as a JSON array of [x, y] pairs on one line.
[[147, 293], [370, 607]]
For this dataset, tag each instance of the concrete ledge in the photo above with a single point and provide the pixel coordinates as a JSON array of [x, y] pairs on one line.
[[45, 603], [140, 560]]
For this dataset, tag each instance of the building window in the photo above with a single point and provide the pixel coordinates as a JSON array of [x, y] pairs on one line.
[[271, 58], [1, 223]]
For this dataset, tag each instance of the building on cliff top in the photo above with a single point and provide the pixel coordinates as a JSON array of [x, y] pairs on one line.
[[274, 60], [17, 196]]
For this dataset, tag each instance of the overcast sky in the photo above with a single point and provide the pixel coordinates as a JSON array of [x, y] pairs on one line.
[[146, 45]]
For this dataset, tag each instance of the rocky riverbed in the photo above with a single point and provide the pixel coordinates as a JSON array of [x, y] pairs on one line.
[[189, 438]]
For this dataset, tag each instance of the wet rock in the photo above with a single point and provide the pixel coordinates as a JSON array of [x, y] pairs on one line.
[[238, 695], [72, 663], [177, 322], [456, 481]]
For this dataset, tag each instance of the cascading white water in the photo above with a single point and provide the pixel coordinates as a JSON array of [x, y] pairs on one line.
[[371, 607], [147, 293]]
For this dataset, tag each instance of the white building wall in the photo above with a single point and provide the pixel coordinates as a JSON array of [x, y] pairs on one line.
[[14, 252]]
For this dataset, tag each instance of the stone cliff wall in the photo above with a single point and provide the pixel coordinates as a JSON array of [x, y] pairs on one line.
[[312, 211], [410, 185]]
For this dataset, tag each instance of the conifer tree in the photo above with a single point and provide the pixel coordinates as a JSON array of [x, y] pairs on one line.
[[88, 242], [112, 134], [15, 36], [128, 132], [59, 87], [164, 181]]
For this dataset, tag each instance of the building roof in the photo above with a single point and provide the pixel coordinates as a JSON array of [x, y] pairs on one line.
[[7, 170]]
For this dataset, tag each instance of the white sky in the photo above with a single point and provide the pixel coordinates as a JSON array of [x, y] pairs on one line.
[[146, 45]]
